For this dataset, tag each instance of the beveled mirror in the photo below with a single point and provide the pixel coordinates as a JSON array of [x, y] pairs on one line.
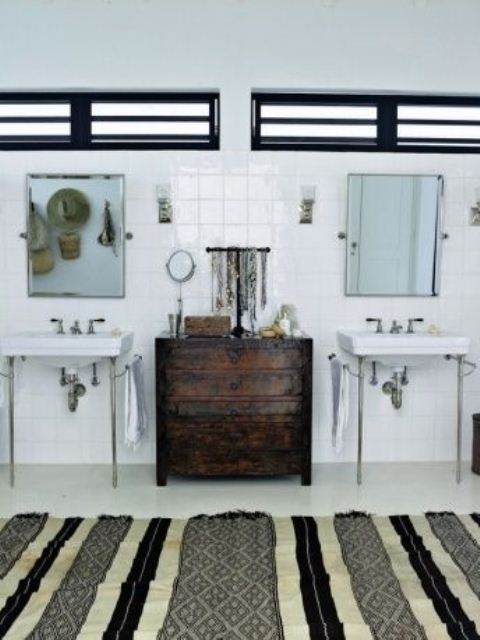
[[394, 235], [75, 236]]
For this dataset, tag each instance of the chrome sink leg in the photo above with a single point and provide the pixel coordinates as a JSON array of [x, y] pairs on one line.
[[360, 419], [459, 416], [113, 417], [11, 416]]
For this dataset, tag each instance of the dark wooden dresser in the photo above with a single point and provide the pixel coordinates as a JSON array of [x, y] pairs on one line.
[[233, 406]]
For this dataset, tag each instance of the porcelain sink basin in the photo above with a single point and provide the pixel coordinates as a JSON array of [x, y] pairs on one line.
[[69, 351], [404, 349]]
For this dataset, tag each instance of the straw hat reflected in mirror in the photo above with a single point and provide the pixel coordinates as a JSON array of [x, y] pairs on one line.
[[68, 210]]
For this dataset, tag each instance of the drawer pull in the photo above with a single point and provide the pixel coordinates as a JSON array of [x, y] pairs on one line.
[[234, 356], [234, 386]]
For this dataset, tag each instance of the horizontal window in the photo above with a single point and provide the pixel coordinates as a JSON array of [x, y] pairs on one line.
[[149, 109], [318, 131], [110, 121], [351, 122], [159, 122], [439, 126], [126, 127], [18, 110], [309, 121], [438, 113], [33, 122]]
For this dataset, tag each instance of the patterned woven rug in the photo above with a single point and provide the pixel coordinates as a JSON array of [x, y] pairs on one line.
[[241, 576]]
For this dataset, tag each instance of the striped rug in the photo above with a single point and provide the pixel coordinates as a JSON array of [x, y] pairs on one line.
[[241, 576]]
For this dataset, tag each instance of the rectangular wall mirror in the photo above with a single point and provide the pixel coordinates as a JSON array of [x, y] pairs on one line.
[[75, 235], [394, 233]]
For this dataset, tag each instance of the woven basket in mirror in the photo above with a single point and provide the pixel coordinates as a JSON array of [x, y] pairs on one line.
[[69, 246]]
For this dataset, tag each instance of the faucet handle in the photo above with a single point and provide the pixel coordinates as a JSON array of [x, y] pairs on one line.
[[379, 328], [59, 322], [91, 324], [410, 324]]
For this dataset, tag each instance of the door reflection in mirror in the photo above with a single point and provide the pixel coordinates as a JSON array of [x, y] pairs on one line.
[[393, 235]]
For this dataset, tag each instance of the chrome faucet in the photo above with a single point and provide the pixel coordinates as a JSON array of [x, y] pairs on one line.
[[410, 328], [75, 328], [379, 328], [59, 321], [91, 325], [396, 328]]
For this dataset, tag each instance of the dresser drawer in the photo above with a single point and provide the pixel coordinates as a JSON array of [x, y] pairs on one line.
[[224, 463], [229, 384], [195, 355], [233, 408], [230, 434]]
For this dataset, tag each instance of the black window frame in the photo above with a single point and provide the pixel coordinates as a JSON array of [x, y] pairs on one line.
[[81, 119], [387, 121]]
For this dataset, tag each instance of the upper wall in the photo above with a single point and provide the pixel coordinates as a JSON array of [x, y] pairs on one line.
[[234, 45]]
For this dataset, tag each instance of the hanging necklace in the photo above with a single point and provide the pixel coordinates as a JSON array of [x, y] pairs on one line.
[[220, 297], [214, 273], [231, 275], [263, 265], [252, 286]]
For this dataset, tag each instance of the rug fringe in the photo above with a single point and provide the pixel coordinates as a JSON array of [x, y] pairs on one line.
[[353, 514], [233, 515]]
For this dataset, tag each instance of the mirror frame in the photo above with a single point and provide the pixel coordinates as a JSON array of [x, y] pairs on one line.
[[440, 237], [77, 176], [190, 274]]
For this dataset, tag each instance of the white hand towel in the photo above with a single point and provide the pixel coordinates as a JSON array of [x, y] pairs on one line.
[[341, 402], [136, 419]]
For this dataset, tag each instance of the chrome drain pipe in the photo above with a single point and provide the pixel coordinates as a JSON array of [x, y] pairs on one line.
[[76, 390], [393, 388]]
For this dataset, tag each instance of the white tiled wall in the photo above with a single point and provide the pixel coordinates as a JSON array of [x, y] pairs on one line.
[[238, 197]]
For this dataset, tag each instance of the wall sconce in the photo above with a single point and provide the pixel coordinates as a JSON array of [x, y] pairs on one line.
[[475, 210], [164, 199], [306, 204]]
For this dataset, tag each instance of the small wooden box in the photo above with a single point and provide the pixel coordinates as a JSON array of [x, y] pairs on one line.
[[215, 326]]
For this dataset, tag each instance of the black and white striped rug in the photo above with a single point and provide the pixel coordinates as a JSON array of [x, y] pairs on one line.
[[241, 576]]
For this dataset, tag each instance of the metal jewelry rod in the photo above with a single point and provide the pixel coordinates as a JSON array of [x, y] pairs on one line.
[[240, 249]]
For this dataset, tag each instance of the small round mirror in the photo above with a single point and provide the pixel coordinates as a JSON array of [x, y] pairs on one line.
[[181, 266]]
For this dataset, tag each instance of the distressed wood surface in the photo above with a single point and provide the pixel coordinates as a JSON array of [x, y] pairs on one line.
[[233, 407]]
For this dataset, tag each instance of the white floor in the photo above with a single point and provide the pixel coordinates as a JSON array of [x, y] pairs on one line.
[[396, 488]]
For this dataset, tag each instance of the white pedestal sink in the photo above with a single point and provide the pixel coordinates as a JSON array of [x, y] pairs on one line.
[[405, 350], [65, 350], [69, 352]]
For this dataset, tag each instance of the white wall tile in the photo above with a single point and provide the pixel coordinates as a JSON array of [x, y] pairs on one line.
[[238, 197]]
